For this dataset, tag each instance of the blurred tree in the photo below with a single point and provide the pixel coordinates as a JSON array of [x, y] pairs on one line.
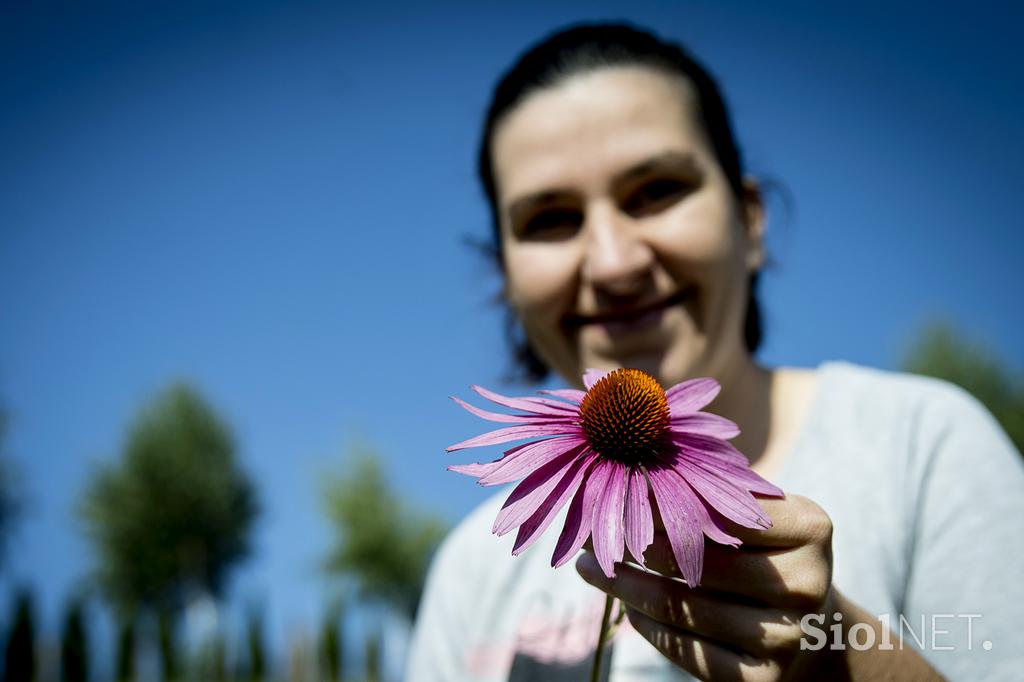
[[373, 657], [124, 654], [208, 660], [257, 658], [168, 644], [74, 645], [10, 497], [301, 658], [331, 644], [382, 543], [212, 660], [172, 517], [20, 652], [945, 353]]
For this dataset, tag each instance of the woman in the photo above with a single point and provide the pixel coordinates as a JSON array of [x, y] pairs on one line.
[[629, 237]]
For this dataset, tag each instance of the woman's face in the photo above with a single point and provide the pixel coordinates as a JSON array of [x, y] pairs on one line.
[[624, 245]]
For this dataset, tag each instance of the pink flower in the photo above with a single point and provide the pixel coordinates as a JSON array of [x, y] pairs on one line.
[[602, 451]]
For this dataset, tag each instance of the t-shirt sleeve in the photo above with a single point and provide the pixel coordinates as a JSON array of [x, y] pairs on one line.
[[964, 592]]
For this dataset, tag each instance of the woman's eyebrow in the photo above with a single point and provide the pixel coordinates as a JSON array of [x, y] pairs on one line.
[[523, 204], [667, 161]]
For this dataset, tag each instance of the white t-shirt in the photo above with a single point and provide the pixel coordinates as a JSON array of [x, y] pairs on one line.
[[926, 496]]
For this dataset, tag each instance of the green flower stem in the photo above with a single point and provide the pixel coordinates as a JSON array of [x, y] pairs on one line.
[[619, 618], [595, 671]]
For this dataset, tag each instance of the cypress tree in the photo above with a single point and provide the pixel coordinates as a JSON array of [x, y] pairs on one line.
[[169, 668], [373, 657], [20, 653], [255, 646], [74, 645], [125, 654], [331, 647]]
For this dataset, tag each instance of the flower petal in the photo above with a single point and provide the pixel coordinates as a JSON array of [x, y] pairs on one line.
[[573, 394], [714, 526], [581, 515], [607, 525], [741, 475], [532, 528], [719, 456], [533, 490], [677, 505], [554, 408], [706, 424], [639, 522], [480, 469], [508, 418], [729, 499], [704, 447], [525, 460], [477, 470], [506, 469], [592, 376], [511, 433], [692, 395]]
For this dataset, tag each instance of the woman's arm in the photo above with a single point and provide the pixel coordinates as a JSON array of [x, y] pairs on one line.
[[874, 663]]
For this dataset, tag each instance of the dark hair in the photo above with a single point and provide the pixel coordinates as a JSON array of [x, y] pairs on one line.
[[588, 47]]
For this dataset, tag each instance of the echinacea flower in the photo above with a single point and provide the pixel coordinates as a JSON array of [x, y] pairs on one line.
[[604, 449]]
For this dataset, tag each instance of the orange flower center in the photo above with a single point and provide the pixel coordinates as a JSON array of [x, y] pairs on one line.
[[624, 415]]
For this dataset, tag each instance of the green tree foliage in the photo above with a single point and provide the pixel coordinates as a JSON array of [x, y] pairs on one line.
[[373, 657], [74, 645], [943, 352], [255, 647], [168, 644], [124, 654], [174, 514], [382, 542], [20, 652], [171, 517], [331, 653], [212, 660]]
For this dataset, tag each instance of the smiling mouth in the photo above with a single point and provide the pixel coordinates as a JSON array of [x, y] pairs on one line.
[[628, 315]]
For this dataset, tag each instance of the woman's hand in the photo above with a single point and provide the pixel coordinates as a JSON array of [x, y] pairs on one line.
[[743, 621]]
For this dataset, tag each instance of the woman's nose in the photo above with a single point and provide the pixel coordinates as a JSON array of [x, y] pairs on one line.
[[616, 260]]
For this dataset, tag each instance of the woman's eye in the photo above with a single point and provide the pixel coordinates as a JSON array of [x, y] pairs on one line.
[[553, 223], [655, 196]]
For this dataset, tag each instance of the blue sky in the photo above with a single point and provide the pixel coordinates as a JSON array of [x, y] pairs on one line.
[[271, 202]]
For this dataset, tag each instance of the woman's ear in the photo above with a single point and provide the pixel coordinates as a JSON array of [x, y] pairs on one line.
[[754, 222]]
